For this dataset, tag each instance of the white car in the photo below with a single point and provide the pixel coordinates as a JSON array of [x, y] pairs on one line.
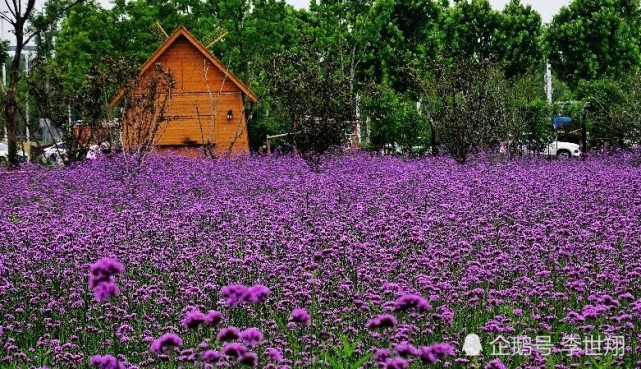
[[4, 153], [395, 148], [563, 149], [559, 149], [55, 151]]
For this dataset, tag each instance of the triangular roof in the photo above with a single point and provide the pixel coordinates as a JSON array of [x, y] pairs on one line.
[[182, 31]]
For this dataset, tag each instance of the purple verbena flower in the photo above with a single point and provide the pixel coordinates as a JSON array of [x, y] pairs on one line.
[[249, 359], [210, 356], [396, 363], [431, 354], [274, 354], [165, 342], [406, 302], [251, 336], [228, 334], [105, 290], [382, 321], [300, 316], [235, 294], [234, 350], [101, 278], [103, 269], [405, 350], [106, 362], [495, 364], [193, 319], [381, 355], [214, 317], [257, 293]]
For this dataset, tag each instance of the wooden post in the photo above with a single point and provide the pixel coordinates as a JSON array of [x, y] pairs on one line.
[[269, 137]]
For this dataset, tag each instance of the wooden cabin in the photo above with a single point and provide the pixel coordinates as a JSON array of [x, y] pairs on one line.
[[207, 102]]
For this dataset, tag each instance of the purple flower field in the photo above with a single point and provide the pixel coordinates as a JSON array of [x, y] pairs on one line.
[[373, 262]]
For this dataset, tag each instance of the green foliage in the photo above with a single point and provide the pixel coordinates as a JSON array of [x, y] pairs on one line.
[[392, 45], [561, 91], [471, 28], [4, 55], [613, 116], [80, 43], [395, 122], [344, 357], [511, 37], [529, 120], [272, 27], [313, 89], [472, 107], [410, 39], [519, 37], [592, 39], [265, 122], [91, 98], [43, 25], [467, 103], [46, 84], [99, 86]]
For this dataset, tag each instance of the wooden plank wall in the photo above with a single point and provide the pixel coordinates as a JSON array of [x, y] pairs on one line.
[[200, 101]]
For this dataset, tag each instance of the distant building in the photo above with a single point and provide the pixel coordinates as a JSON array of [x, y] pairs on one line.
[[207, 103]]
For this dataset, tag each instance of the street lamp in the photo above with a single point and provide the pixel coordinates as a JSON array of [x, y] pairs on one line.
[[230, 115]]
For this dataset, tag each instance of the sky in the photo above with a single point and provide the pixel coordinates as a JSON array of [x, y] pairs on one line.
[[547, 9]]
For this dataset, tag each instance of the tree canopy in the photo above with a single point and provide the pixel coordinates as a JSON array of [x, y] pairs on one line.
[[591, 39], [383, 52]]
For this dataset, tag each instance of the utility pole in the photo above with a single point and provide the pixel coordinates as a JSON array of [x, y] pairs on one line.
[[548, 82]]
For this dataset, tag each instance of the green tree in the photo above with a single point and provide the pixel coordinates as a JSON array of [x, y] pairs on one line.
[[471, 28], [311, 89], [91, 32], [4, 55], [528, 113], [86, 34], [410, 40], [395, 122], [20, 16], [519, 39], [511, 37], [233, 52], [92, 99], [613, 116], [273, 27], [342, 26], [591, 39], [270, 28], [466, 101]]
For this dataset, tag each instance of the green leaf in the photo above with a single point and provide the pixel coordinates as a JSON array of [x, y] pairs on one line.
[[335, 364], [361, 361], [348, 348]]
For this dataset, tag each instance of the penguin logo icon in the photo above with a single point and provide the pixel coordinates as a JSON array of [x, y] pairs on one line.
[[472, 345]]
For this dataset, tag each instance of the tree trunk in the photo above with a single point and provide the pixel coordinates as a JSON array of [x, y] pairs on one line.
[[433, 137], [11, 105]]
